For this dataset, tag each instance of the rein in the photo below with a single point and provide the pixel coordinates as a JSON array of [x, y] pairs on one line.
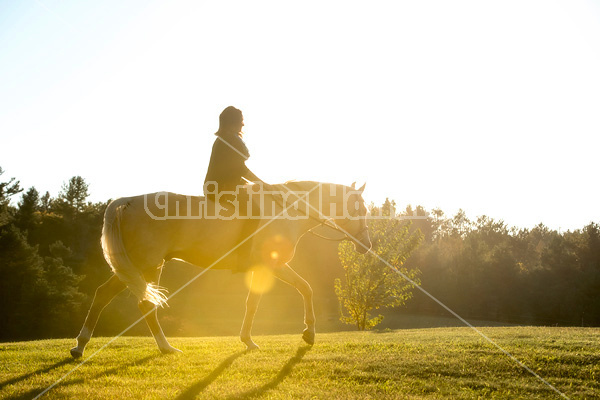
[[323, 222]]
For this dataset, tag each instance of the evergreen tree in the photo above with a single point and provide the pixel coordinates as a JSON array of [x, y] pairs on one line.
[[7, 190], [37, 295], [28, 210], [46, 203], [73, 195]]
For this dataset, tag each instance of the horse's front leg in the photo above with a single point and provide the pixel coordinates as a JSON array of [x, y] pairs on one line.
[[251, 306], [150, 312], [289, 276]]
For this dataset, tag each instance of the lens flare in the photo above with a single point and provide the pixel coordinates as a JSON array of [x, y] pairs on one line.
[[259, 279], [277, 249]]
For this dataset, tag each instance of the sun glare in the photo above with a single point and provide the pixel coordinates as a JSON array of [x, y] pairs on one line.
[[429, 102], [259, 279]]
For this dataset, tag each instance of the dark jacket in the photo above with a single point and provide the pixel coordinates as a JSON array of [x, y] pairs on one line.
[[228, 163]]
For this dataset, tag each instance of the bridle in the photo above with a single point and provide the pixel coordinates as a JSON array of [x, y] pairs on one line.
[[331, 224]]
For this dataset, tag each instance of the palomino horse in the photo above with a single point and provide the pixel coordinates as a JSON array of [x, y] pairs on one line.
[[140, 233]]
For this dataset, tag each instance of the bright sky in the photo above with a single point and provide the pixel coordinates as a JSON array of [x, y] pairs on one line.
[[489, 106]]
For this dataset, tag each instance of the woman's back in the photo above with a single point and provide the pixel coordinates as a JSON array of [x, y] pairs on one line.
[[227, 162]]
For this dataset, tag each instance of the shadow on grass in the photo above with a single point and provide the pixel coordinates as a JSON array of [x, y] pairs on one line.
[[196, 388], [34, 392], [12, 381], [285, 371]]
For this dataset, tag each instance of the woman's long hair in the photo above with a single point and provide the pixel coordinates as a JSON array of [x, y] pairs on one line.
[[229, 117]]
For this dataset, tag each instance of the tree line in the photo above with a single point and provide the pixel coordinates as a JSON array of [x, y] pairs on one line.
[[50, 257], [485, 270], [51, 262], [480, 268]]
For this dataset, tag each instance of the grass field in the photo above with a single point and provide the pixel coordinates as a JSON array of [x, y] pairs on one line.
[[420, 363]]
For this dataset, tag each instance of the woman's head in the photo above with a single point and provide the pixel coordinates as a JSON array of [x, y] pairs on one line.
[[231, 120]]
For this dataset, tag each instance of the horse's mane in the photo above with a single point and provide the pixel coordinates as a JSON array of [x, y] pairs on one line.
[[302, 185]]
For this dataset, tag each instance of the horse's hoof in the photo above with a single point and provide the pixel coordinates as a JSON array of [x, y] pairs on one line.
[[308, 336], [170, 350], [250, 345], [75, 353]]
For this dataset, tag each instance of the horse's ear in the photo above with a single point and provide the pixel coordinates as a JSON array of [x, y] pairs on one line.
[[362, 188], [353, 186]]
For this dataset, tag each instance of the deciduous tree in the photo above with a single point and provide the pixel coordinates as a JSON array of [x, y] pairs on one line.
[[370, 284]]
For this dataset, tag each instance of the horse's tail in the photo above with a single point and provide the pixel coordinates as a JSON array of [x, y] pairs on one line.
[[116, 256]]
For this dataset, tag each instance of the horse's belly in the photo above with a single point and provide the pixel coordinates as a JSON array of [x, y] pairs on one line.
[[217, 257]]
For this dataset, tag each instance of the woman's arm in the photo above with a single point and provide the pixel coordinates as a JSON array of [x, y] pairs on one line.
[[251, 176]]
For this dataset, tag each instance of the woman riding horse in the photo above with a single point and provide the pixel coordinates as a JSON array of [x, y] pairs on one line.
[[139, 235], [227, 173]]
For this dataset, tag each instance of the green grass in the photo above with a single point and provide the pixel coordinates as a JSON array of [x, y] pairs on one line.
[[420, 363]]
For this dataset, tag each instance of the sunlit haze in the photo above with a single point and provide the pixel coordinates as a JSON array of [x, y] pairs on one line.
[[492, 107]]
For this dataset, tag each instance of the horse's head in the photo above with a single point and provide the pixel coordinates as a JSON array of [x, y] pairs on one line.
[[354, 222], [339, 207]]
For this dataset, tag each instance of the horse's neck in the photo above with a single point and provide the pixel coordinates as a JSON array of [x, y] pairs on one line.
[[318, 195], [329, 194]]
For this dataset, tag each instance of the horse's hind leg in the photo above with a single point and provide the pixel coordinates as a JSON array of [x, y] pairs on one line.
[[104, 294], [251, 306], [150, 311], [289, 276]]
